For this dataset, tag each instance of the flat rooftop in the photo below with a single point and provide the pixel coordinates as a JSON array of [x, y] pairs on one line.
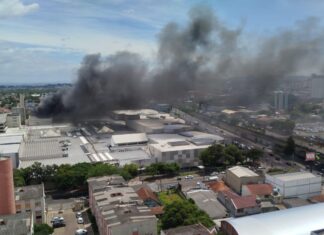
[[11, 139], [29, 192], [16, 224], [240, 171], [118, 203], [175, 142], [48, 151], [295, 176]]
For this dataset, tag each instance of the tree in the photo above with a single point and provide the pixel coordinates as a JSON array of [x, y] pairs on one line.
[[18, 178], [233, 153], [102, 169], [183, 213], [131, 169], [42, 229], [254, 154], [290, 146], [213, 155]]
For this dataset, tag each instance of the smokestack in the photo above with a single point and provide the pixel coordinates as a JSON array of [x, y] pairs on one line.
[[7, 195]]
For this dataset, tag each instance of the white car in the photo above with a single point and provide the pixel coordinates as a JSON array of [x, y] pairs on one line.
[[189, 177], [80, 220], [81, 232], [78, 214]]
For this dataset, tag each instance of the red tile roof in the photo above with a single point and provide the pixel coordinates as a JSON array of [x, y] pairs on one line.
[[217, 186], [146, 193], [244, 202], [230, 194], [259, 189]]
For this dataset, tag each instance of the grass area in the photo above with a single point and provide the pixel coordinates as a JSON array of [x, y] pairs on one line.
[[189, 173], [276, 171], [169, 196]]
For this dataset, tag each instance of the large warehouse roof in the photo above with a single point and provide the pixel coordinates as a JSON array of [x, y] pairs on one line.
[[296, 221]]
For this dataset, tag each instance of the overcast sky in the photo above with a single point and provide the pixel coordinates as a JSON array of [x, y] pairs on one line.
[[43, 41]]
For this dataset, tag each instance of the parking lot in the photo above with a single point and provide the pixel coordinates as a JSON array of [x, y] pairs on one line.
[[62, 208]]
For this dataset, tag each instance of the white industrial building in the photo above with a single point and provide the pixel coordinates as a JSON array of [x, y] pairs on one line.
[[123, 140], [179, 149], [10, 147], [304, 220], [297, 184]]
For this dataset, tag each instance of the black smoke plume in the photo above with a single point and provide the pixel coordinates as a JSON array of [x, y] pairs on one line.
[[205, 55]]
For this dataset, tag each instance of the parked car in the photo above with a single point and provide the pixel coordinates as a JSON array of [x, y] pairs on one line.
[[78, 214], [57, 219], [80, 220], [189, 177], [81, 232], [58, 224]]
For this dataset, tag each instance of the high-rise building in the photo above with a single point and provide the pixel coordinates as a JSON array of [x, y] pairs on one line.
[[281, 100], [317, 86], [7, 195]]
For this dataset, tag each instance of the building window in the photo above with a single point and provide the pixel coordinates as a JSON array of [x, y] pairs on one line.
[[38, 204]]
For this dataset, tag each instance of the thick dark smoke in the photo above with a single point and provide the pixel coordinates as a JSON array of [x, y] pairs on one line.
[[103, 84], [205, 55]]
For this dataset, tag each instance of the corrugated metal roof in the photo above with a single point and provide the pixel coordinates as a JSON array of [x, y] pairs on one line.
[[296, 221]]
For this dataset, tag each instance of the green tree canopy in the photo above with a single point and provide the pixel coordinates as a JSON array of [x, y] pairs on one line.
[[254, 154], [184, 213], [43, 229]]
